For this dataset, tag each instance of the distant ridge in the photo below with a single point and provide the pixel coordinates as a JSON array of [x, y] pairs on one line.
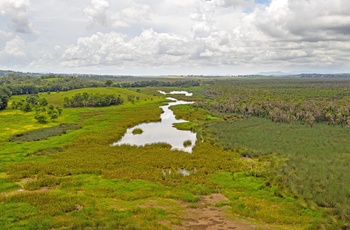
[[273, 73]]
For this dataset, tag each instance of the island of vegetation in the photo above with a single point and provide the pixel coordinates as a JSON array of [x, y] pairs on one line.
[[272, 153], [137, 131]]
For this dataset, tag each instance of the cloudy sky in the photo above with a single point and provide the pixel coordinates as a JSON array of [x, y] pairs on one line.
[[157, 37]]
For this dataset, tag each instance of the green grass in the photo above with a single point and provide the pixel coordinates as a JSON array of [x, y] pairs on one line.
[[57, 98], [250, 197], [79, 181], [318, 157]]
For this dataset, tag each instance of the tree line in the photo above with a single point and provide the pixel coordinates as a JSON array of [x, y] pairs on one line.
[[92, 100], [282, 101], [20, 85], [155, 83]]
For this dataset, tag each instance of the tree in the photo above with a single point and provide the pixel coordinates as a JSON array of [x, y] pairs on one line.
[[43, 102], [5, 94], [109, 83], [32, 99], [41, 117], [3, 101]]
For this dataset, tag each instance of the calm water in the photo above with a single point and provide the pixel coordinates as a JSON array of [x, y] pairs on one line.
[[163, 131]]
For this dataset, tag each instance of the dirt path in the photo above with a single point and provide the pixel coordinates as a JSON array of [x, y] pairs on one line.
[[209, 217]]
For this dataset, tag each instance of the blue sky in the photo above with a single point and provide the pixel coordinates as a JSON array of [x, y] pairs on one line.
[[224, 37], [266, 2]]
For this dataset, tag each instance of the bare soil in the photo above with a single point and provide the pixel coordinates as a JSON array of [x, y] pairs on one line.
[[205, 216]]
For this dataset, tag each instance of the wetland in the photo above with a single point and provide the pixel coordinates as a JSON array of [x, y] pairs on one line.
[[162, 131], [273, 154]]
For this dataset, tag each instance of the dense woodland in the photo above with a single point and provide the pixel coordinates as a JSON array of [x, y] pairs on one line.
[[284, 100], [92, 100]]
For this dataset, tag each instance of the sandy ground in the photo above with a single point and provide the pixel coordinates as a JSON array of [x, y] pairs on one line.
[[209, 217]]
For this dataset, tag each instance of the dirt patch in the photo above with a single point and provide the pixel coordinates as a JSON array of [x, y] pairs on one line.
[[204, 215]]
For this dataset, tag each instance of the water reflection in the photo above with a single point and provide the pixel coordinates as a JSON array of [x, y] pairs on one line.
[[161, 132], [177, 92]]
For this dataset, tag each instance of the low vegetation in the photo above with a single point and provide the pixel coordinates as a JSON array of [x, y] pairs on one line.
[[271, 172], [44, 133], [316, 157], [137, 131], [187, 143]]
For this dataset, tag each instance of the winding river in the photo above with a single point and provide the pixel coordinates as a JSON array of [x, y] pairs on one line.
[[163, 131]]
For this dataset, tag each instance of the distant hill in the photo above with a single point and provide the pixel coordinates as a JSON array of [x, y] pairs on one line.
[[4, 73], [274, 73]]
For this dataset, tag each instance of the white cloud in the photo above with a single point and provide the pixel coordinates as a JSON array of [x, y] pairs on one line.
[[97, 12], [135, 13], [15, 48], [149, 48], [230, 3], [17, 12], [227, 36]]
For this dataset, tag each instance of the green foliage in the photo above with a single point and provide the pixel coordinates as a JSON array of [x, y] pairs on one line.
[[109, 83], [41, 117], [249, 196], [43, 111], [22, 85], [137, 131], [317, 159], [79, 181], [4, 97], [283, 100], [43, 134], [32, 99], [187, 143], [92, 100]]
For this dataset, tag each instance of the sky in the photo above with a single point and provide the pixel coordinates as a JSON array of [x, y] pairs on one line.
[[175, 37]]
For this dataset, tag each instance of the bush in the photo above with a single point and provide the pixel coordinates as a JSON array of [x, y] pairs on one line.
[[137, 131]]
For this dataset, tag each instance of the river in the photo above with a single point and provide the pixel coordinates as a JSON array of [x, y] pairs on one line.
[[163, 131]]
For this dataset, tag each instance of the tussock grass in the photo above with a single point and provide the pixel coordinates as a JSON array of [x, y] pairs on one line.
[[44, 133], [137, 131], [318, 157]]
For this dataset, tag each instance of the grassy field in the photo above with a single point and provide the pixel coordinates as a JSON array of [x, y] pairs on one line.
[[318, 157], [79, 181]]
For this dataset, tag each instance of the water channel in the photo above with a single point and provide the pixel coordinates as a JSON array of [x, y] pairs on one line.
[[163, 131]]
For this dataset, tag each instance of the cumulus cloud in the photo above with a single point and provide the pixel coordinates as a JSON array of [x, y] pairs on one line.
[[113, 48], [136, 13], [225, 35], [96, 12], [230, 3], [305, 20], [15, 47], [17, 12]]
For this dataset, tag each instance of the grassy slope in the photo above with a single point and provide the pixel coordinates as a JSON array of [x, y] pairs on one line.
[[91, 184]]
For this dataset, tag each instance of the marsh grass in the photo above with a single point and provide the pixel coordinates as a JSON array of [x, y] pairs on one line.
[[137, 131], [187, 143], [250, 197], [82, 182], [46, 151], [44, 133], [317, 163]]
